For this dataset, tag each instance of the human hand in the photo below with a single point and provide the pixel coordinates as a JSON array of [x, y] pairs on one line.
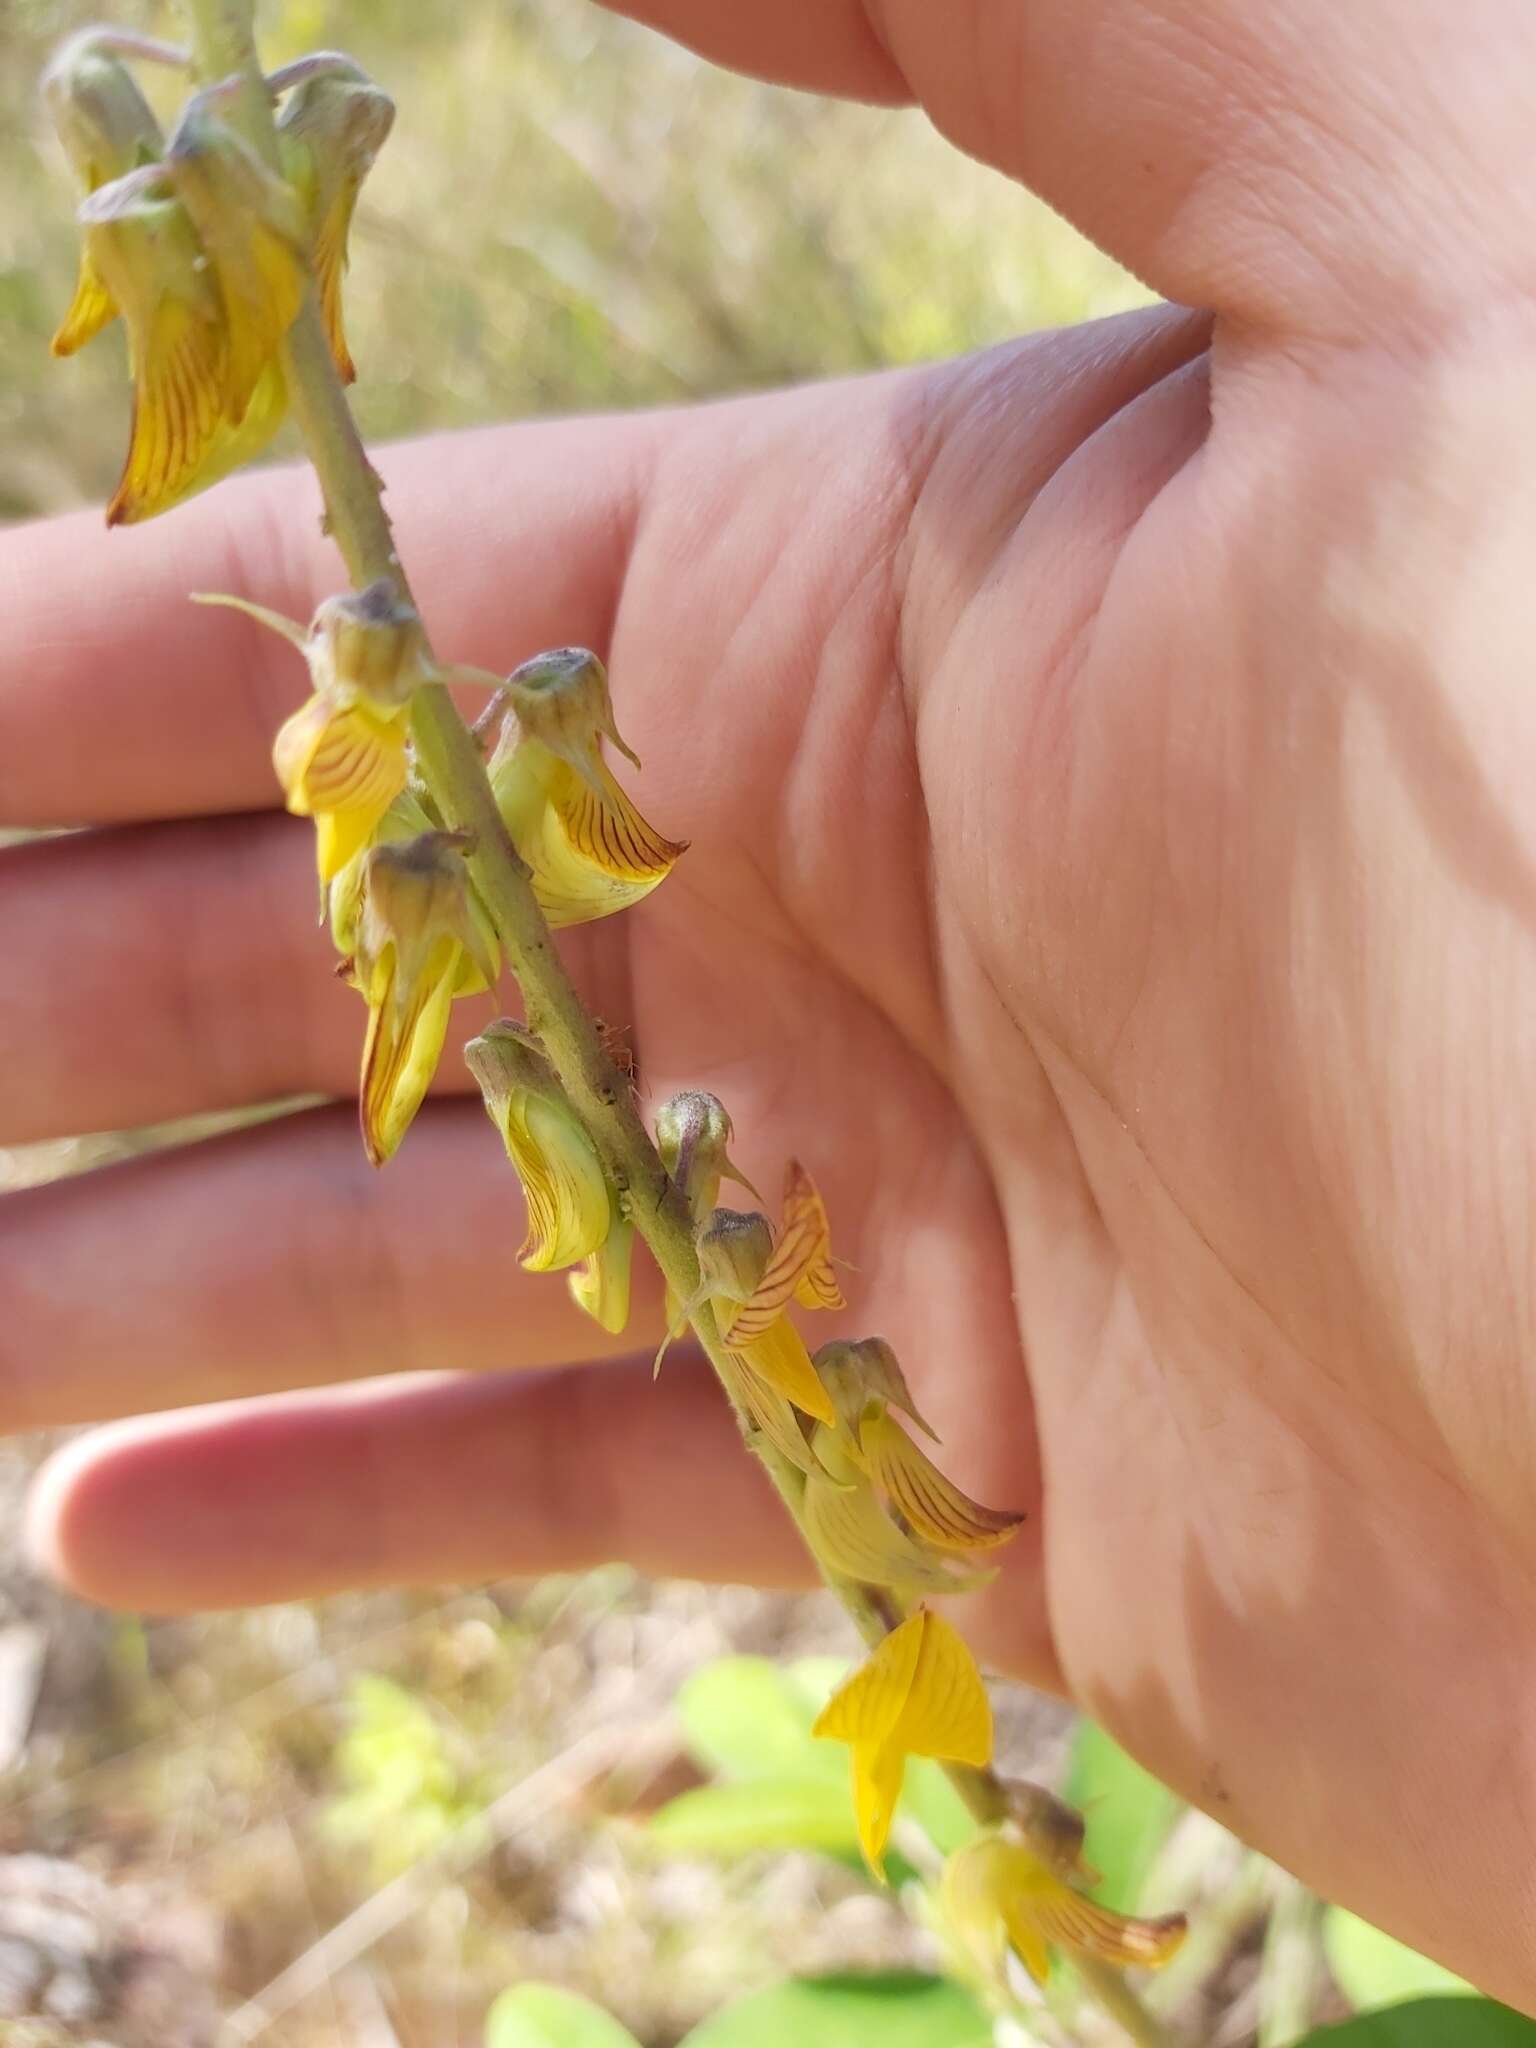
[[1104, 762]]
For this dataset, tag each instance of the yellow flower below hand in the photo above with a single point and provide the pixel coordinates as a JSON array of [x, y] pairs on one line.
[[997, 1895], [422, 939], [866, 1382], [917, 1694]]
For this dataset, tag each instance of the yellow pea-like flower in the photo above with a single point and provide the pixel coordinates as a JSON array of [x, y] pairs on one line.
[[343, 766], [798, 1269], [341, 757], [333, 125], [865, 1383], [422, 939], [997, 1895], [202, 252], [919, 1693], [107, 129], [574, 1214], [852, 1532], [588, 850]]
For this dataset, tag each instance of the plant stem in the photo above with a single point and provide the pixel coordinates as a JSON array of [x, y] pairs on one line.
[[454, 772]]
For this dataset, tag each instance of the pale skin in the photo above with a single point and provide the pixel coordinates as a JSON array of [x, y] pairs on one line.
[[1108, 768]]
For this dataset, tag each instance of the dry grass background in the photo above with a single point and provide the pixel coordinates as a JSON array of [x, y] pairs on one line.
[[206, 1829]]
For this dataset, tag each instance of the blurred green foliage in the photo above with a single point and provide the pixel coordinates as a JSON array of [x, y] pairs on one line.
[[403, 1789]]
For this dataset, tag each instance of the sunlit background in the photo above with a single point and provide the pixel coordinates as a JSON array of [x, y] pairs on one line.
[[359, 1822]]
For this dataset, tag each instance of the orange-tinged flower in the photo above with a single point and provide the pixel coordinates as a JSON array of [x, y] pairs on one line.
[[865, 1383], [917, 1694], [588, 850], [997, 1894], [422, 939], [799, 1269]]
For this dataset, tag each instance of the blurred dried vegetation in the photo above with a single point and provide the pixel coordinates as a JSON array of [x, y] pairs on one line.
[[355, 1822]]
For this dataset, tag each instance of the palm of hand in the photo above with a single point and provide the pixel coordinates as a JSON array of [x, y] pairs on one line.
[[1130, 931], [1042, 754]]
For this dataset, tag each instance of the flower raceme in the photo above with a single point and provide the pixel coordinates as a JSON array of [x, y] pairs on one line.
[[997, 1895], [575, 1217], [588, 850], [205, 253], [918, 1693]]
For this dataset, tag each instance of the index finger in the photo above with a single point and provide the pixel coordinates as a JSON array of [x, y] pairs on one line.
[[122, 701]]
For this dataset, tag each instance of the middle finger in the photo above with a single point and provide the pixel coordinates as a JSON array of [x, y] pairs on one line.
[[168, 970], [274, 1259]]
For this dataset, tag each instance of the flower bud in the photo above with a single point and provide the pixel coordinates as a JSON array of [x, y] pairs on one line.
[[733, 1249], [859, 1373], [692, 1132], [422, 939], [561, 699], [370, 644], [102, 118], [1049, 1827]]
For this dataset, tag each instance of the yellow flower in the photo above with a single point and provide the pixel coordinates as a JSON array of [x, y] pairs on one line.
[[865, 1382], [574, 1213], [853, 1533], [341, 757], [587, 848], [343, 766], [252, 231], [203, 255], [107, 129], [799, 1269], [335, 123], [422, 939], [918, 1694], [996, 1895]]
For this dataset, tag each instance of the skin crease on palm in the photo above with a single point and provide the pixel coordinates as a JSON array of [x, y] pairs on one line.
[[1105, 761]]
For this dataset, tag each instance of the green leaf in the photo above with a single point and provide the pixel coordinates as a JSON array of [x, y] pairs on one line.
[[1372, 1969], [734, 1818], [745, 1718], [898, 2009], [1431, 2023], [1129, 1813], [544, 2016]]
